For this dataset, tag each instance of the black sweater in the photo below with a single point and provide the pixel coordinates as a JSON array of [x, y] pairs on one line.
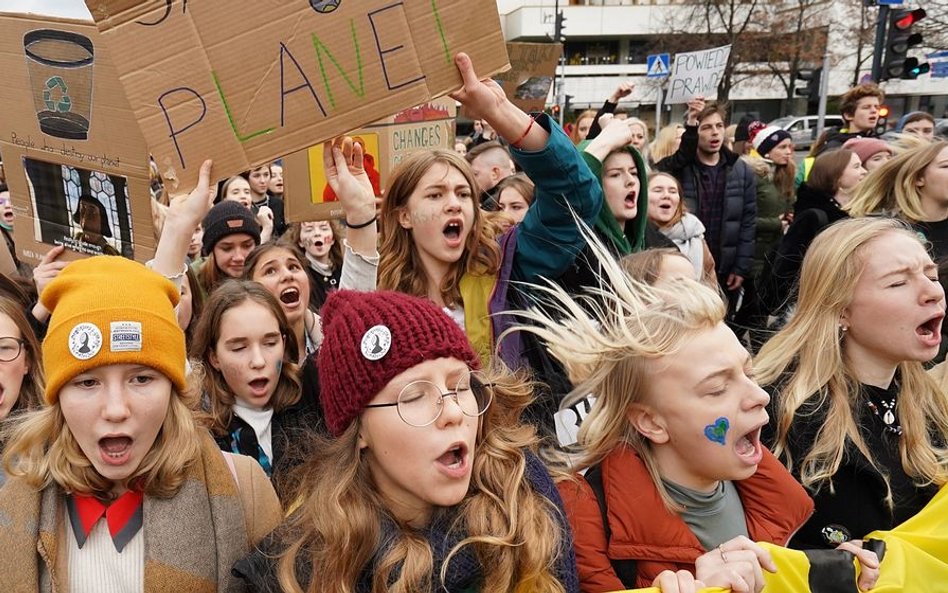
[[857, 506]]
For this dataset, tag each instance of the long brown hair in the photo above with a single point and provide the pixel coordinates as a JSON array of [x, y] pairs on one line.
[[42, 450], [292, 235], [219, 396], [827, 170], [400, 267]]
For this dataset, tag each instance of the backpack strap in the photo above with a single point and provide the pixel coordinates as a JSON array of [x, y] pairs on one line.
[[624, 568]]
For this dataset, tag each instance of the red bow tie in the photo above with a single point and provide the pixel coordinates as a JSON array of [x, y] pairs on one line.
[[123, 516]]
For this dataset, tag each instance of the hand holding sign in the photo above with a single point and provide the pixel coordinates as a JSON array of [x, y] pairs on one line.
[[343, 161], [485, 100]]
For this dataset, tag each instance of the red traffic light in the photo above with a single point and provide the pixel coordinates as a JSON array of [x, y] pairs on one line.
[[910, 19]]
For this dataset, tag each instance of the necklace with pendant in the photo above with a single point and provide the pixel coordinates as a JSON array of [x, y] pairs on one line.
[[888, 416]]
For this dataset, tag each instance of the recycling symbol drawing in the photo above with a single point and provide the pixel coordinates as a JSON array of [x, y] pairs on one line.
[[64, 103]]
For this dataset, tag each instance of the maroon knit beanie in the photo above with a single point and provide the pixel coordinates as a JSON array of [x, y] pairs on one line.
[[369, 338]]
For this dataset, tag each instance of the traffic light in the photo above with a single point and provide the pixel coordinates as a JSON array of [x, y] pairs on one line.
[[882, 121], [812, 89], [899, 39], [913, 69], [555, 111], [558, 26]]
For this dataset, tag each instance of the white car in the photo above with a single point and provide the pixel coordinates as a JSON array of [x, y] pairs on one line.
[[803, 128]]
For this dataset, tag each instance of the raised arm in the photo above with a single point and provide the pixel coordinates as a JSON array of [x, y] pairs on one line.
[[623, 90], [548, 239], [343, 161], [183, 216]]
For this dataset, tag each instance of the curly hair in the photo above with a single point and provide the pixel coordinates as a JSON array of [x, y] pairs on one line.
[[512, 529]]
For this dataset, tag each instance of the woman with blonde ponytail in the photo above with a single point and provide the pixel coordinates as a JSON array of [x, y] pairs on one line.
[[856, 418]]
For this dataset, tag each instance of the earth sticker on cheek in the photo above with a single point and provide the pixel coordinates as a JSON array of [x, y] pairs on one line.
[[717, 432]]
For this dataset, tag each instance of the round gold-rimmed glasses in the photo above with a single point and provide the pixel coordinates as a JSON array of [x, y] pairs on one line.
[[420, 403]]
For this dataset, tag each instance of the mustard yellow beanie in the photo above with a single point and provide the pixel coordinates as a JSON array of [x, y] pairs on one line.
[[110, 310]]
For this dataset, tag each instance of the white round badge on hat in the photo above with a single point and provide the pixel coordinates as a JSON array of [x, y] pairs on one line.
[[85, 341], [376, 342]]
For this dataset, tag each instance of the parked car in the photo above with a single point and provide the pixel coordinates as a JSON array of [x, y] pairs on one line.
[[802, 128]]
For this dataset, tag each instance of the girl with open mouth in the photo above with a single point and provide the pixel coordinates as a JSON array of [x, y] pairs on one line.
[[852, 403], [677, 484], [111, 485], [249, 378], [434, 240], [321, 244], [428, 481]]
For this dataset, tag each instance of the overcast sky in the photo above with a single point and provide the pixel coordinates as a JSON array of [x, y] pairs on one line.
[[67, 8]]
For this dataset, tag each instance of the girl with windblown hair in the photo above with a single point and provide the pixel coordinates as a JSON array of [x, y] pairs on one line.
[[429, 483], [856, 418], [677, 482]]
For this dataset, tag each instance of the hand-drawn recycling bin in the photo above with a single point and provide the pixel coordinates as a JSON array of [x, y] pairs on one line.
[[60, 66]]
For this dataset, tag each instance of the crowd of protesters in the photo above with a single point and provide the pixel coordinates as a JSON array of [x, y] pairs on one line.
[[372, 403]]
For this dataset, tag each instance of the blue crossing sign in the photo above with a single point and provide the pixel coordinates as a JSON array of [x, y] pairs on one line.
[[658, 65]]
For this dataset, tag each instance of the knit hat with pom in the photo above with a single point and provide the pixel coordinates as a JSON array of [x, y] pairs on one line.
[[371, 337], [768, 138], [110, 310]]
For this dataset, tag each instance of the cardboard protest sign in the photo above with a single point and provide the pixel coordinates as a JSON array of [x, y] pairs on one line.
[[243, 84], [697, 73], [532, 70], [386, 143], [75, 158]]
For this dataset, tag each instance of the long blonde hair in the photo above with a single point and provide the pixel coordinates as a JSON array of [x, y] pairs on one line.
[[606, 340], [400, 267], [665, 143], [42, 450], [512, 529], [806, 361], [893, 187], [645, 148]]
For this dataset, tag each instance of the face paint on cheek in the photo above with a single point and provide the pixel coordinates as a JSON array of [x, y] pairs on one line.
[[717, 432]]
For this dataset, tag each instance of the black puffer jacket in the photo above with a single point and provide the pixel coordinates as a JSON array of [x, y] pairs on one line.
[[739, 213]]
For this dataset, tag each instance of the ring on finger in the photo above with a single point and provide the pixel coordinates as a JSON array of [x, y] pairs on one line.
[[723, 556]]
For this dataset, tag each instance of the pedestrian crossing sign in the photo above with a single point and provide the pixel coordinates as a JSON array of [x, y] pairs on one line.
[[657, 65]]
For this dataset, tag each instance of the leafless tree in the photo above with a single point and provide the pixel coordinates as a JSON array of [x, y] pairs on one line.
[[702, 24], [796, 41]]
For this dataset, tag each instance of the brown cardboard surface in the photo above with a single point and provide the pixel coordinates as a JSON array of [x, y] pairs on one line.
[[67, 130], [532, 70], [424, 127], [244, 83]]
